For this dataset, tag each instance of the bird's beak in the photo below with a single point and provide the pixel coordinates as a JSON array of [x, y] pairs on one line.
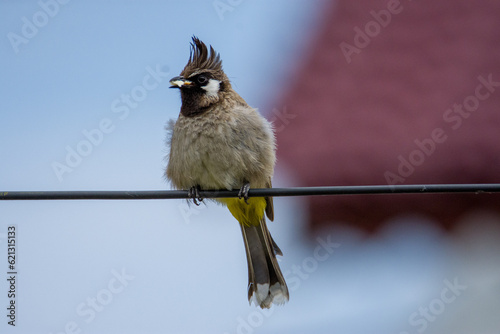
[[179, 82]]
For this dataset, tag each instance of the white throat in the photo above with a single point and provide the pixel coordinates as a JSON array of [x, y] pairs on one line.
[[212, 88]]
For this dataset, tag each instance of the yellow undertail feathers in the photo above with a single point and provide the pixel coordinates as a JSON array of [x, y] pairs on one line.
[[246, 214]]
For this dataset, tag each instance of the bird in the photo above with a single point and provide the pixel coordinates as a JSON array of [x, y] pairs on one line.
[[219, 142]]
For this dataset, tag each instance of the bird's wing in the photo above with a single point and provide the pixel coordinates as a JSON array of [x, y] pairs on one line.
[[269, 203]]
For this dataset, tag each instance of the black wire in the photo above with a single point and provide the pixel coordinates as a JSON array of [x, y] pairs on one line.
[[274, 192]]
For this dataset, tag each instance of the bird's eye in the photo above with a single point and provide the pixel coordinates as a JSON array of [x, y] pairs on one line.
[[201, 79]]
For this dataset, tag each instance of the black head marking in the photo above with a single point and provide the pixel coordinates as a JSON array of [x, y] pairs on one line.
[[201, 59]]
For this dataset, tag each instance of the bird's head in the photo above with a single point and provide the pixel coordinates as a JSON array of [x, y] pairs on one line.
[[202, 81]]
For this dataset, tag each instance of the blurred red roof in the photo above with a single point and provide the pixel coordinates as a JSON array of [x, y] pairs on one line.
[[402, 92]]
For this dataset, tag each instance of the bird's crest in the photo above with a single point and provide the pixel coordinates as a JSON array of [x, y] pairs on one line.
[[200, 58]]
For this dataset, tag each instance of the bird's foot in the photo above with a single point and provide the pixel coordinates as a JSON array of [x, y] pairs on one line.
[[243, 193], [194, 194]]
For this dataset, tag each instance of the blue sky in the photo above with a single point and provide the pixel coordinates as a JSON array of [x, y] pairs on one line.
[[65, 88], [65, 78]]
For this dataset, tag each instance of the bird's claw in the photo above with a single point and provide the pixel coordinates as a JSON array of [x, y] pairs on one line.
[[243, 193], [194, 194]]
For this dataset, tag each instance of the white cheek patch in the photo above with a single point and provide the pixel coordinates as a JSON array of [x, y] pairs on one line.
[[212, 87]]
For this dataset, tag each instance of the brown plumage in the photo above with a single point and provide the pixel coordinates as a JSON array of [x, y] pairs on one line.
[[219, 142]]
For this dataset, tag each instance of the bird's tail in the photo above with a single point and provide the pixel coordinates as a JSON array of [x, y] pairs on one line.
[[266, 284]]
